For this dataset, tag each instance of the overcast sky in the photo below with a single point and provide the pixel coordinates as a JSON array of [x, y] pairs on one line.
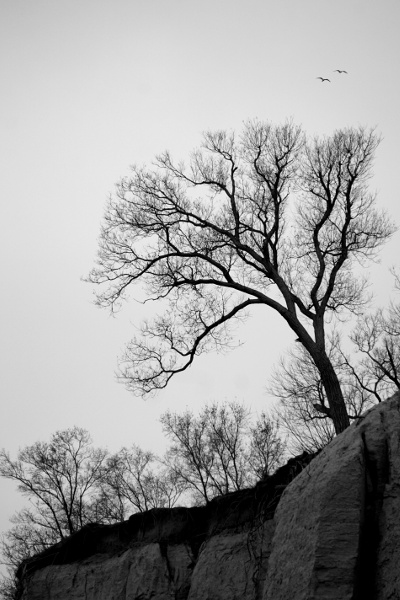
[[90, 87]]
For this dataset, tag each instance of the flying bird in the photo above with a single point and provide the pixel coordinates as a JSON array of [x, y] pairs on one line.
[[323, 79], [339, 71]]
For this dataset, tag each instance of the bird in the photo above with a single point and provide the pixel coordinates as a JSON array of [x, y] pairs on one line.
[[323, 79], [339, 71]]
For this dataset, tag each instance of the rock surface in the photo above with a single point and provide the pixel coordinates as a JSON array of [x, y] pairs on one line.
[[330, 533]]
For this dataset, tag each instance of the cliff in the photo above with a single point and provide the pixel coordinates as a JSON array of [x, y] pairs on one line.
[[325, 529]]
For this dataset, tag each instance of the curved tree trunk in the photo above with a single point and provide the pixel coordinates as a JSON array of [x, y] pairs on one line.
[[337, 407], [330, 381]]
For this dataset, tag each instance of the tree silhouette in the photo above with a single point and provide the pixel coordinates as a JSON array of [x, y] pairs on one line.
[[266, 218], [220, 450]]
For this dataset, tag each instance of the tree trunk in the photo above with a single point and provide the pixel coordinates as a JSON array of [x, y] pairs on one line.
[[333, 392], [330, 381]]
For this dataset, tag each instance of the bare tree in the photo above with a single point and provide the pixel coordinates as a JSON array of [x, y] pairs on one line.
[[303, 408], [188, 455], [137, 481], [219, 450], [26, 537], [61, 479], [222, 235], [267, 447], [377, 339]]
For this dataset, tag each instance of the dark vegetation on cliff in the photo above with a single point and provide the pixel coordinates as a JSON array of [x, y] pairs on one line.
[[70, 483], [192, 525], [323, 527]]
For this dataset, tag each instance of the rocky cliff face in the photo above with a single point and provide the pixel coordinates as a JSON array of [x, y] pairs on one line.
[[332, 532]]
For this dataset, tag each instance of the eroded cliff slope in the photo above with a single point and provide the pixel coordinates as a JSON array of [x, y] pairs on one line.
[[332, 532]]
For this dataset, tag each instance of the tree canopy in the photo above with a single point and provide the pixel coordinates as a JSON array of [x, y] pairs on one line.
[[267, 217]]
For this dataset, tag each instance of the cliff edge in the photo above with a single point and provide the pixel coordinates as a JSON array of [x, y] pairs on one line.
[[319, 530]]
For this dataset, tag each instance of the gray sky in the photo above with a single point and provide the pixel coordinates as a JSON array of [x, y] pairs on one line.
[[92, 86]]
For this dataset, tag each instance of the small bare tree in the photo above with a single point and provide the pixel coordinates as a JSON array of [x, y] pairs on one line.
[[377, 339], [137, 481], [187, 456], [266, 218], [267, 448], [219, 450], [61, 479]]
